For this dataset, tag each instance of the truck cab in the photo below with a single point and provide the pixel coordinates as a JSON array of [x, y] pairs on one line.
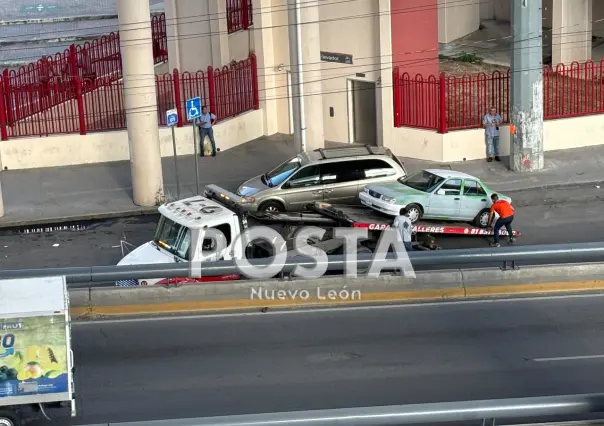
[[184, 233]]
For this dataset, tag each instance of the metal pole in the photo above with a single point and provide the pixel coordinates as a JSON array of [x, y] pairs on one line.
[[196, 156], [296, 78], [176, 163], [526, 109]]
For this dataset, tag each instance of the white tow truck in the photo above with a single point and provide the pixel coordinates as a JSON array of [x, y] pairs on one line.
[[180, 235], [36, 360]]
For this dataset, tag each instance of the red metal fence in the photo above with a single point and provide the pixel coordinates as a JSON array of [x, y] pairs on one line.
[[240, 15], [87, 66], [74, 108], [460, 102]]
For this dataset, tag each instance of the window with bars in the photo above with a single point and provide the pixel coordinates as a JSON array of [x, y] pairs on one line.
[[239, 15]]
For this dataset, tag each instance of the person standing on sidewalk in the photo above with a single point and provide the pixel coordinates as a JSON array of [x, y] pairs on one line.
[[506, 216], [206, 120], [404, 226], [491, 123]]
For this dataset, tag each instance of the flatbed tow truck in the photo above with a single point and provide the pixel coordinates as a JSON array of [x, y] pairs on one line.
[[220, 209]]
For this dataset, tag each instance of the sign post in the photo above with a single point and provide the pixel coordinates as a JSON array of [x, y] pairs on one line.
[[193, 112], [172, 120]]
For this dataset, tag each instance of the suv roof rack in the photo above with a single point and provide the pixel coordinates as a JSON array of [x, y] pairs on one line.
[[351, 151]]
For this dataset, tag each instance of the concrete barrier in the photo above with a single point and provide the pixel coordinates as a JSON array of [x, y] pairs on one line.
[[240, 295]]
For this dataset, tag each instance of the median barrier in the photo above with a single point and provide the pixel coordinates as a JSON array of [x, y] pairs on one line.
[[292, 293]]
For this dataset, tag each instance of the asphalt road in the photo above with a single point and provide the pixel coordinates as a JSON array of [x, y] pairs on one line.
[[224, 365], [566, 215]]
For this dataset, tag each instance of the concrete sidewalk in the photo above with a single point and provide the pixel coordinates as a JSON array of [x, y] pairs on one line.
[[63, 194]]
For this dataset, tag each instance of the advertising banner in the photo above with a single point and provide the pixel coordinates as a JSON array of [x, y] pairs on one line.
[[33, 356]]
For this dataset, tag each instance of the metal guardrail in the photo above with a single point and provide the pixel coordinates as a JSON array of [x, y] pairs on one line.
[[553, 253], [394, 415]]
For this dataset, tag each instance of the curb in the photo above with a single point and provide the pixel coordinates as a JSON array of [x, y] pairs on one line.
[[90, 311], [58, 221]]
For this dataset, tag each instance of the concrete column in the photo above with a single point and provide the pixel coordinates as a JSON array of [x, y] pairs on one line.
[[384, 104], [267, 67], [172, 23], [140, 101], [313, 86], [526, 150], [571, 31], [219, 30]]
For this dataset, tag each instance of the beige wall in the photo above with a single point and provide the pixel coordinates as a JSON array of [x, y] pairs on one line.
[[343, 36], [597, 15], [466, 145], [457, 18], [65, 150], [241, 44]]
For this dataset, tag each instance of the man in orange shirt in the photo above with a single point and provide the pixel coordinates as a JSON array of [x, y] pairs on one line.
[[506, 216]]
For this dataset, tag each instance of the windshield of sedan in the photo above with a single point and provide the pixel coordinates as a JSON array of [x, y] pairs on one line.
[[282, 172], [422, 181], [173, 237]]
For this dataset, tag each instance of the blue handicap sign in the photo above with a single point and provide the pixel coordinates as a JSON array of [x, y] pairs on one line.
[[193, 108], [171, 117]]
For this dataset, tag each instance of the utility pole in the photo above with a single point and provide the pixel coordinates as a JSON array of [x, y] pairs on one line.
[[526, 109]]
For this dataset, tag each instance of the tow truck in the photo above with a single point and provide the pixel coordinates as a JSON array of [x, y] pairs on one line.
[[222, 210]]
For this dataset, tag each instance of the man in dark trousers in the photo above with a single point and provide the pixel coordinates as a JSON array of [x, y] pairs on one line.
[[506, 216], [206, 120]]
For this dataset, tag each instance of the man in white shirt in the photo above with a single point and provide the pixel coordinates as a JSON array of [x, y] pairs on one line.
[[404, 226], [491, 123], [206, 120]]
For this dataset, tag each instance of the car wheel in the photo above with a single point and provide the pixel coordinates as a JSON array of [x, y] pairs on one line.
[[272, 207], [414, 212], [482, 219], [9, 418]]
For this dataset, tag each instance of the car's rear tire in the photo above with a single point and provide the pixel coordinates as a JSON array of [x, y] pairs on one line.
[[414, 212], [482, 219], [272, 207]]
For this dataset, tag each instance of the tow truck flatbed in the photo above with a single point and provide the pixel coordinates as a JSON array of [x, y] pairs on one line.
[[363, 217]]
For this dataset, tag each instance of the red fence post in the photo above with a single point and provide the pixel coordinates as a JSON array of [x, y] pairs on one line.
[[245, 21], [77, 84], [396, 95], [254, 63], [3, 129], [177, 96], [212, 91], [7, 96], [442, 104]]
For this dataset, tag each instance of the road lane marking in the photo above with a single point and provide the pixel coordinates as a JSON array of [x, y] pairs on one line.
[[568, 358], [343, 309]]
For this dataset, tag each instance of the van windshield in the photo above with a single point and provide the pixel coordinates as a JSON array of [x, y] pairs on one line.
[[422, 181], [173, 237], [282, 172]]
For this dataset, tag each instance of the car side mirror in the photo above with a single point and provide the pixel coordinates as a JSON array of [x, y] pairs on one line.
[[441, 192], [286, 185]]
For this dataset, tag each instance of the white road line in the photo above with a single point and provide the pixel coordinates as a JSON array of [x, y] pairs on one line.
[[315, 310], [568, 358]]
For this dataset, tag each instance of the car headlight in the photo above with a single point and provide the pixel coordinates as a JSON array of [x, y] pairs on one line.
[[366, 190], [388, 199], [247, 200]]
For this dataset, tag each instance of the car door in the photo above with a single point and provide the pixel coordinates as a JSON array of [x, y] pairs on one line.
[[341, 182], [303, 187], [445, 201], [473, 200]]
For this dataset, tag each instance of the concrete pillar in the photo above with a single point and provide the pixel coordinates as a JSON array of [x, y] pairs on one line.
[[526, 150], [571, 31], [265, 54], [172, 33], [140, 101], [384, 103], [313, 87], [219, 38]]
